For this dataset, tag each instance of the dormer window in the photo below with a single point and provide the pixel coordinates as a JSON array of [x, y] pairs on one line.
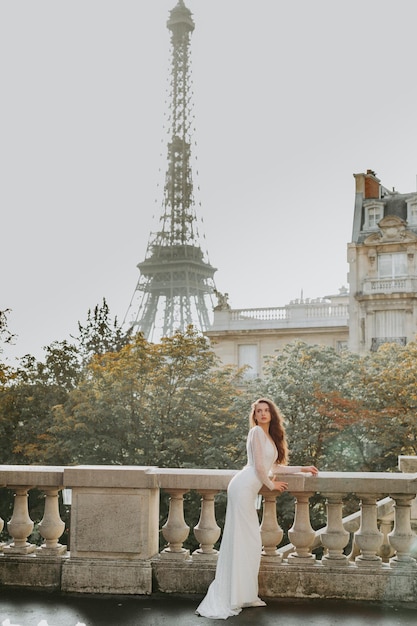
[[374, 212], [412, 211]]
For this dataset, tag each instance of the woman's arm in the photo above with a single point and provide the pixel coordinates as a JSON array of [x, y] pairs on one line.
[[293, 469], [257, 442]]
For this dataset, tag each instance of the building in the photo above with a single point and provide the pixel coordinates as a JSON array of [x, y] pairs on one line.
[[246, 336], [382, 266], [380, 305]]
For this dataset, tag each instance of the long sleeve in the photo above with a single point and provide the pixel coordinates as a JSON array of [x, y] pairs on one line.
[[285, 469], [257, 442]]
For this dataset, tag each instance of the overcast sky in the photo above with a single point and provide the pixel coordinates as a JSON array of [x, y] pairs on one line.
[[290, 98]]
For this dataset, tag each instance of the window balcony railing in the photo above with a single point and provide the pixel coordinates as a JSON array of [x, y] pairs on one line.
[[377, 342], [115, 528], [389, 285]]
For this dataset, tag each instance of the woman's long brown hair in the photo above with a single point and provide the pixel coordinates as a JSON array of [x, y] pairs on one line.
[[276, 428]]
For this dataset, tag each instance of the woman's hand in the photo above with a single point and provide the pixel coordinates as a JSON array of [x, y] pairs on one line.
[[279, 485], [310, 469]]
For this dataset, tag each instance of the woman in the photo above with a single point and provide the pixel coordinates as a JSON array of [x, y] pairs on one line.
[[236, 582]]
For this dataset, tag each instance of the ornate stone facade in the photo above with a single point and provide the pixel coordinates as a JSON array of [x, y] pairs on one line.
[[382, 266]]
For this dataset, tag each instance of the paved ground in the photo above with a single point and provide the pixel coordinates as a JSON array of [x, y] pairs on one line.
[[27, 608]]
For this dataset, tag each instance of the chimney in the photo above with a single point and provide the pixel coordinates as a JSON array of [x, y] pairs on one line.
[[368, 184]]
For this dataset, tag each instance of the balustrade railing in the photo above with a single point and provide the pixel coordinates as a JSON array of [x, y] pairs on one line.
[[389, 285], [123, 503], [288, 313]]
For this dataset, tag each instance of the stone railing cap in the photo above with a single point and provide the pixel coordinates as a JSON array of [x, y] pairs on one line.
[[111, 476], [197, 479], [31, 475], [378, 483]]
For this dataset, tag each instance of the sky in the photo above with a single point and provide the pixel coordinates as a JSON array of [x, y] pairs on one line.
[[291, 98]]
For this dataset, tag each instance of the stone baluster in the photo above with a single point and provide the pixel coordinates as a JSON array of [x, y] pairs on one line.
[[402, 537], [271, 531], [207, 531], [385, 526], [351, 527], [51, 527], [1, 528], [368, 538], [301, 534], [175, 530], [334, 537], [20, 526]]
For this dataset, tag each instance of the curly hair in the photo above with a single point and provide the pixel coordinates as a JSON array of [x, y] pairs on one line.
[[276, 428]]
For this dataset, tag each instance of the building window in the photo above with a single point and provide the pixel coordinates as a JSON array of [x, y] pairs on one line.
[[389, 328], [392, 265], [373, 215], [248, 355]]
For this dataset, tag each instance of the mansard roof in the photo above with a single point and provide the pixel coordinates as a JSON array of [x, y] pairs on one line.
[[371, 194], [396, 204]]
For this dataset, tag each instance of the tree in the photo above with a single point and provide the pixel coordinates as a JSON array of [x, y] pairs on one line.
[[101, 335], [390, 387], [166, 404], [5, 335], [27, 399], [315, 388]]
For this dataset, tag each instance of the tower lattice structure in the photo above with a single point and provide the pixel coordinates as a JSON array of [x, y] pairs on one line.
[[176, 279]]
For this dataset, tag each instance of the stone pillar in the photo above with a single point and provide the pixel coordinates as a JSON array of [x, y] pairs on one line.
[[51, 527], [301, 534], [114, 529], [368, 538], [271, 532], [175, 530], [334, 537], [207, 531], [20, 526], [402, 537]]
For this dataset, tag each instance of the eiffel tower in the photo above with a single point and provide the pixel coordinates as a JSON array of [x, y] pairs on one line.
[[176, 279]]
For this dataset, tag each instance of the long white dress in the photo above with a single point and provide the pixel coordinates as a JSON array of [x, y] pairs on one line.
[[236, 582]]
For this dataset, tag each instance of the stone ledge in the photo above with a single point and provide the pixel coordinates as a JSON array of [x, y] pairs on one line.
[[349, 582], [107, 576], [293, 581], [31, 571]]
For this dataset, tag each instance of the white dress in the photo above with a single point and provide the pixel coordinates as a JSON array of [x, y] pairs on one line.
[[236, 582]]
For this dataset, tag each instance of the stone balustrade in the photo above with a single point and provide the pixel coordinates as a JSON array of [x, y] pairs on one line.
[[115, 530], [295, 315]]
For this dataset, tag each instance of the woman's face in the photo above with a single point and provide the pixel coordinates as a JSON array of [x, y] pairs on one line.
[[262, 413]]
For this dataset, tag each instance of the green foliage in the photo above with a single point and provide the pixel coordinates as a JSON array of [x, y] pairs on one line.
[[167, 404], [100, 334], [30, 392], [26, 402], [345, 412], [315, 388], [5, 335], [391, 389]]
